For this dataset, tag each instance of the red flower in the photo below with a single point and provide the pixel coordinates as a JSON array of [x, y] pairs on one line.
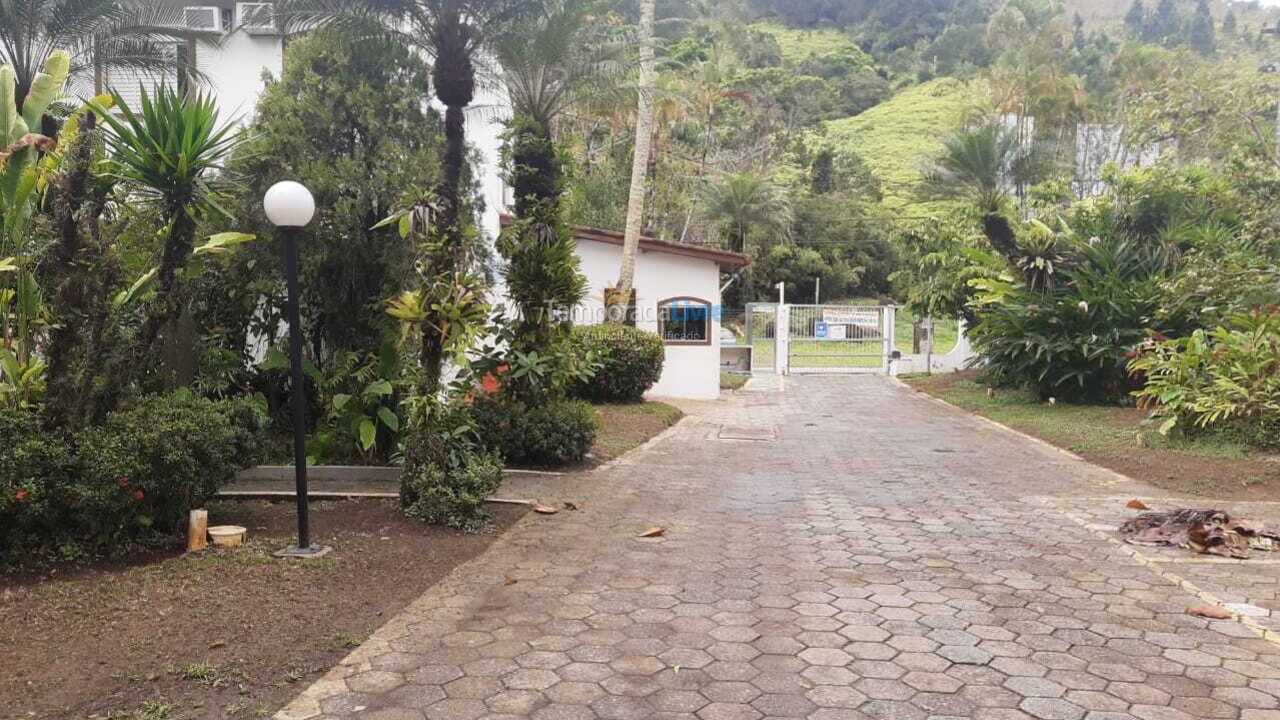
[[123, 482], [490, 384], [21, 495], [503, 369], [137, 495]]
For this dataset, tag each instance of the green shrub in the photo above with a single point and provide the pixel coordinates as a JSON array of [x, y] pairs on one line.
[[35, 469], [132, 478], [630, 362], [447, 475], [1225, 380], [164, 455], [1072, 340], [557, 432], [451, 495]]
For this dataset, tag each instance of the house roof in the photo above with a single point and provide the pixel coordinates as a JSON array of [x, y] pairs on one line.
[[724, 258]]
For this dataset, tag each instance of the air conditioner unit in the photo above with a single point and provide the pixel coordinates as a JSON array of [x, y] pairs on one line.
[[257, 18], [202, 18]]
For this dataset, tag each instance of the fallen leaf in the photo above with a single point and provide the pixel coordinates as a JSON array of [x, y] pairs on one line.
[[508, 580], [1136, 504], [545, 510], [1213, 612], [570, 506], [653, 532], [217, 644]]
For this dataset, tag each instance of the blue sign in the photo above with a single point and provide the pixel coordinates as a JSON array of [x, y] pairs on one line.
[[820, 330]]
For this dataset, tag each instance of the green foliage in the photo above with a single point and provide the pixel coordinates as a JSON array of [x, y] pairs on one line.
[[1072, 341], [742, 204], [940, 260], [549, 434], [447, 475], [897, 137], [132, 478], [346, 119], [359, 398], [1226, 379], [630, 362]]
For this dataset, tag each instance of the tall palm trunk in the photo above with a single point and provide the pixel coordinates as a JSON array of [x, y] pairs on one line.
[[453, 76], [619, 299]]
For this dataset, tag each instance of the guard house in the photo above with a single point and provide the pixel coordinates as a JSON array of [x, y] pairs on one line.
[[677, 296]]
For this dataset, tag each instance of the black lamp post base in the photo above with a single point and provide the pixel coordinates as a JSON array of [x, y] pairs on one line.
[[306, 553]]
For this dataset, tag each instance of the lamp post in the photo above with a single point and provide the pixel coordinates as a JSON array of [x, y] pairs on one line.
[[290, 207]]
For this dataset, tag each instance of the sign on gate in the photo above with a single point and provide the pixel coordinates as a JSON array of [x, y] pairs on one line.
[[852, 316]]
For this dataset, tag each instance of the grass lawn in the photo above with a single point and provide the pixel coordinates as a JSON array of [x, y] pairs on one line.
[[733, 381], [625, 427], [1115, 437]]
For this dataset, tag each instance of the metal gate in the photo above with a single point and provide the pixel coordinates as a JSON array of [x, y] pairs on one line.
[[761, 330], [838, 338]]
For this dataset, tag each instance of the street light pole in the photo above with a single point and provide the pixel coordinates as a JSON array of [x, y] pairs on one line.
[[289, 238], [290, 207]]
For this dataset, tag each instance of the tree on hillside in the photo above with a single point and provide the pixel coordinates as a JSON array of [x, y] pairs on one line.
[[1230, 23], [619, 297], [1135, 21], [979, 166], [1200, 31], [1165, 24], [744, 202]]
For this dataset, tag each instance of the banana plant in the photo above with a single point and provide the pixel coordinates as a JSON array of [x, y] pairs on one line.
[[22, 384], [20, 148]]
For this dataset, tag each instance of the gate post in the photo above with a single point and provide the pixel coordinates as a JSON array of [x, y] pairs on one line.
[[890, 326], [782, 340]]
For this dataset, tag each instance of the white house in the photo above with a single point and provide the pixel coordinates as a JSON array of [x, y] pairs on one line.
[[677, 296], [247, 44]]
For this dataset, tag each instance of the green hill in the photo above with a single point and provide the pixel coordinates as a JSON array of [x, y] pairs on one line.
[[896, 137], [798, 46]]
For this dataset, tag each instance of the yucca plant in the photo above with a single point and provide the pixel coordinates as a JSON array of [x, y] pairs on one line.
[[170, 151]]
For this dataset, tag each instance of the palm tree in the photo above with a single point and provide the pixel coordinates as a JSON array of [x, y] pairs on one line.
[[979, 165], [451, 33], [618, 299], [100, 35], [547, 65], [742, 202]]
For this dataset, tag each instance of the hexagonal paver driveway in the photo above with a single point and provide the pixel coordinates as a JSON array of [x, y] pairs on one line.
[[883, 557]]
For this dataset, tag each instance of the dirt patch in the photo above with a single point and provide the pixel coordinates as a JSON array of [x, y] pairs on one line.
[[163, 636], [1117, 439]]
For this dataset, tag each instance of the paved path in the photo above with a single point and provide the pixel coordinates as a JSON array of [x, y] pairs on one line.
[[883, 557]]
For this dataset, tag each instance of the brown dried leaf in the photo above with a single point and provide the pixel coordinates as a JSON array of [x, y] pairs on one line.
[[653, 532], [508, 580], [570, 506], [545, 510], [1213, 612], [1136, 504]]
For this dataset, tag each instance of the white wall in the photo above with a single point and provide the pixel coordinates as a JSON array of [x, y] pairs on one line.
[[690, 371], [234, 70]]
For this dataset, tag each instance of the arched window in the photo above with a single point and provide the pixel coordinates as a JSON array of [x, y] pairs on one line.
[[684, 321]]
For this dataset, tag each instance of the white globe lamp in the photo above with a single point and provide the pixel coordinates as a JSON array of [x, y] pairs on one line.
[[289, 204]]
